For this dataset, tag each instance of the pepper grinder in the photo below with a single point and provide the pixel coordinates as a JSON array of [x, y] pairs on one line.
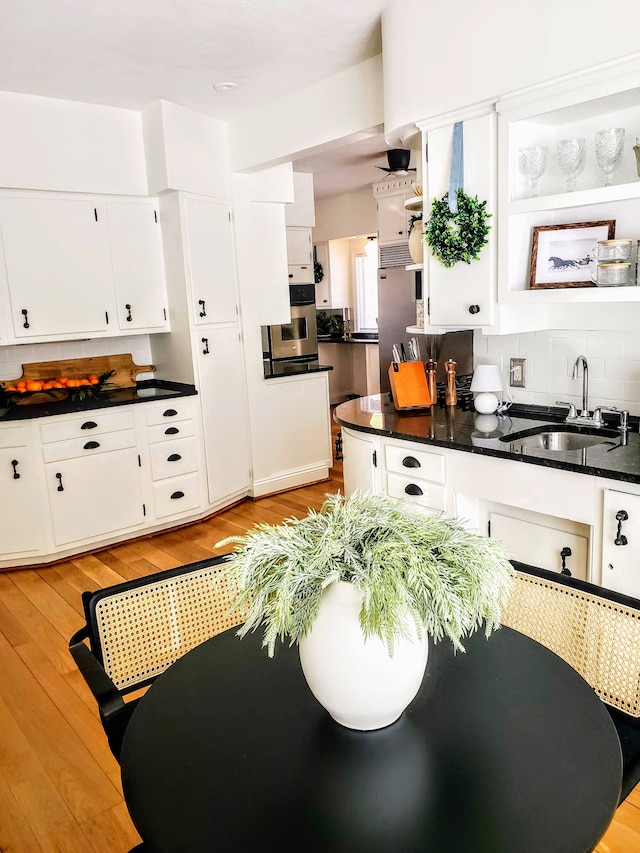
[[431, 380], [451, 395]]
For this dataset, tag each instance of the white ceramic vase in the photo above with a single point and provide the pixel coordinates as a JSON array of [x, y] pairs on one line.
[[416, 243], [356, 680]]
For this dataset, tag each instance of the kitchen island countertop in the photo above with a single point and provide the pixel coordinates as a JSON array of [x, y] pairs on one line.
[[473, 433]]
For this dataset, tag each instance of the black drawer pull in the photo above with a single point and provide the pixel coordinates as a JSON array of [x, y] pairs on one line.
[[411, 462], [91, 445], [566, 552], [89, 425], [205, 351], [14, 465], [621, 539], [128, 318], [412, 489], [169, 413], [203, 313], [171, 431], [25, 314], [59, 479], [175, 457], [177, 495]]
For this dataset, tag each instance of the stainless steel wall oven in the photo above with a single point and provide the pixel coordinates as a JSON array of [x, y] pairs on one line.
[[299, 338]]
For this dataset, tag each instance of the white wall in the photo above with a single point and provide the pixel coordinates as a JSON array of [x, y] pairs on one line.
[[348, 215], [445, 57], [613, 358], [334, 108], [51, 144]]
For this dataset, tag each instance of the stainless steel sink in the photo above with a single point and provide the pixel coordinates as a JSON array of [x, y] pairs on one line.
[[559, 440]]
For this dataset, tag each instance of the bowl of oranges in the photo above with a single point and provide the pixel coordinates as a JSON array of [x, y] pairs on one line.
[[27, 391]]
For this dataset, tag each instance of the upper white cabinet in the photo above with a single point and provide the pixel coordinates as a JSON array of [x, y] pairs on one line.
[[78, 266], [463, 296], [393, 217], [135, 241], [302, 211], [573, 107], [300, 256], [56, 267], [210, 260]]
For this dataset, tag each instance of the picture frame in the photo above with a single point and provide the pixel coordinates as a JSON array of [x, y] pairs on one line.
[[560, 254]]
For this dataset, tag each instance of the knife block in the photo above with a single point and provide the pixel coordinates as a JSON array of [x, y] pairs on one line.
[[409, 386]]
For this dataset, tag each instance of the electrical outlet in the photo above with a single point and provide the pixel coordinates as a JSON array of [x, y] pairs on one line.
[[516, 372]]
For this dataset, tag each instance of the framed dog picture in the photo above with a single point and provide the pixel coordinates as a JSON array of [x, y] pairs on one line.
[[563, 256]]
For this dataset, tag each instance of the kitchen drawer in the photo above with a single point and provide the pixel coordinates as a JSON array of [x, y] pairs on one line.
[[176, 495], [91, 424], [172, 410], [301, 274], [416, 491], [171, 458], [415, 463], [89, 445], [13, 437], [171, 431]]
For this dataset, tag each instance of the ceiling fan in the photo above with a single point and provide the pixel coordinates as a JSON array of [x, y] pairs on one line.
[[398, 159]]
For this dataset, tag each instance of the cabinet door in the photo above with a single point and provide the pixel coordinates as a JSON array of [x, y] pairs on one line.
[[221, 390], [57, 265], [299, 247], [360, 460], [210, 261], [323, 287], [464, 295], [541, 545], [95, 497], [138, 266], [621, 542], [21, 519], [393, 220]]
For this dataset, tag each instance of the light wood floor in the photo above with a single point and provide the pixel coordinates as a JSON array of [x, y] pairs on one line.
[[59, 784]]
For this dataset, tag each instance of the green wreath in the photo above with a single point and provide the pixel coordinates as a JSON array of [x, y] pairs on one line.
[[460, 236]]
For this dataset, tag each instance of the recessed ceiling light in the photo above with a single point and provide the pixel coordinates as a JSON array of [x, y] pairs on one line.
[[224, 87]]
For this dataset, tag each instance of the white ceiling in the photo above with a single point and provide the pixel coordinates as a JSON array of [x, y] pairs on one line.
[[128, 53]]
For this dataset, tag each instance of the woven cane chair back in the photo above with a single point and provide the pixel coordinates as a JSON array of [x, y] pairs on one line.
[[597, 632], [140, 629]]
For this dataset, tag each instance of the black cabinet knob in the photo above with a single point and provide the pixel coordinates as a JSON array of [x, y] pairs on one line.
[[171, 431], [474, 309], [412, 489], [89, 425], [177, 495], [169, 413], [91, 445], [174, 457], [410, 462]]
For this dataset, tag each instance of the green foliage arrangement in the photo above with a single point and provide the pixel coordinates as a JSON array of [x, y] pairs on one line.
[[413, 570], [460, 236]]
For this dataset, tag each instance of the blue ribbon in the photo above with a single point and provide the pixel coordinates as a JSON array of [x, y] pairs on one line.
[[457, 168]]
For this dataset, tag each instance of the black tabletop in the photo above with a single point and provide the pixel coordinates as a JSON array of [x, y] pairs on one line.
[[506, 749]]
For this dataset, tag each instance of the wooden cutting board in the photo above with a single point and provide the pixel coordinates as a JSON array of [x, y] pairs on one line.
[[124, 373]]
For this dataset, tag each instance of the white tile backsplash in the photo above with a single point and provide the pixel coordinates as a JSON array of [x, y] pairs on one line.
[[613, 357], [13, 357]]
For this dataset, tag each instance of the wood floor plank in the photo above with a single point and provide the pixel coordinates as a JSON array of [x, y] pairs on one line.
[[112, 831], [16, 835], [51, 605], [98, 573], [80, 781], [20, 761]]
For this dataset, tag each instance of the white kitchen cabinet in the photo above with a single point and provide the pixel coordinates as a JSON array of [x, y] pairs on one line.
[[209, 257], [361, 460], [323, 287], [542, 116], [57, 266], [335, 289], [95, 495], [300, 256], [542, 541], [393, 217], [621, 542], [23, 524], [465, 295], [224, 412], [135, 241]]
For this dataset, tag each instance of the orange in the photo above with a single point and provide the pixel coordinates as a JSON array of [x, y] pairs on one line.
[[21, 383], [72, 383], [93, 379], [57, 385], [83, 382], [63, 380], [34, 385]]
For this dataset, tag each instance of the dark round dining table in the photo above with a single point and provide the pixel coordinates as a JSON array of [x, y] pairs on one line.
[[505, 749]]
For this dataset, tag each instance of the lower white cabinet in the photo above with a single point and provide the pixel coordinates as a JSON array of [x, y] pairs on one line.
[[621, 542], [360, 454], [95, 495], [23, 524]]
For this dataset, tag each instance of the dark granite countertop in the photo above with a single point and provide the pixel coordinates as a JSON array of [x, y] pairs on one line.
[[354, 339], [276, 370], [144, 391], [473, 433]]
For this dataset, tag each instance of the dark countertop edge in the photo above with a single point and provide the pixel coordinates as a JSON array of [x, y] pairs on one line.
[[65, 407], [544, 413], [340, 340], [322, 368]]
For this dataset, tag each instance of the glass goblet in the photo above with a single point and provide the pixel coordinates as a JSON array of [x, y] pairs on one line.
[[571, 157], [532, 163], [609, 146]]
